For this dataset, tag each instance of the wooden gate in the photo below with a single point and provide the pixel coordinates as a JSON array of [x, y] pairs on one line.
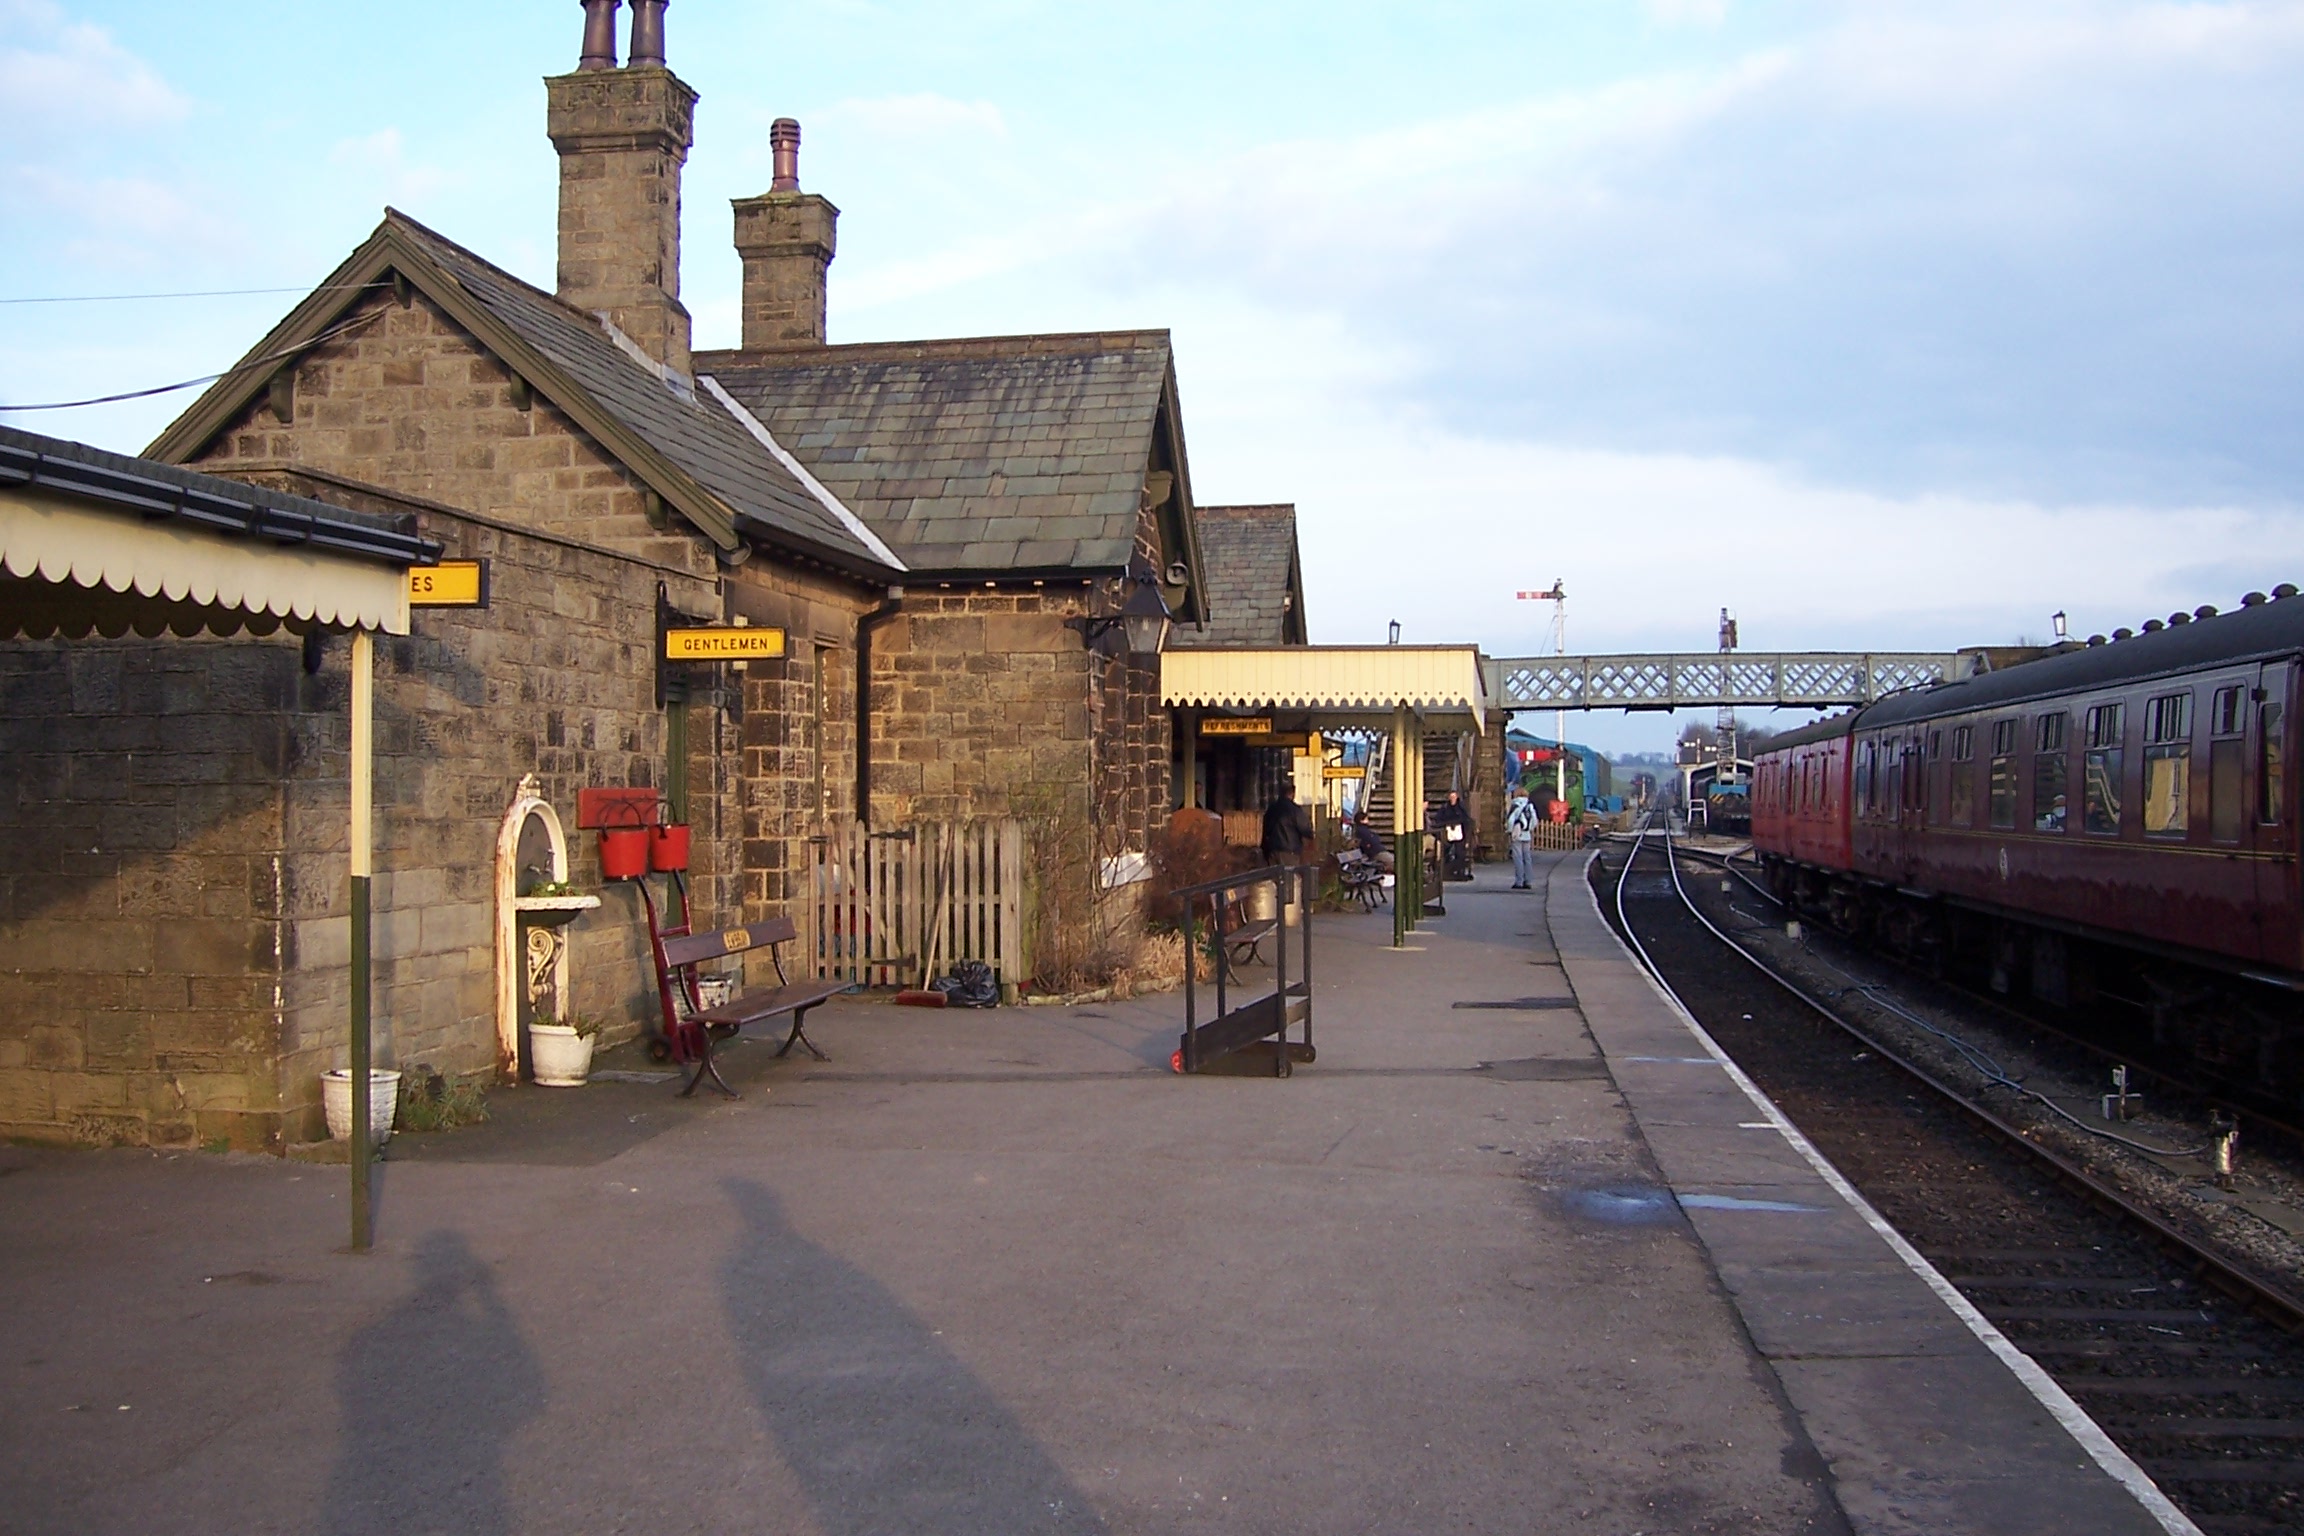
[[897, 908]]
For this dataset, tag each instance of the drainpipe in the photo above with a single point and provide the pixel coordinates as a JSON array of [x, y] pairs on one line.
[[865, 624]]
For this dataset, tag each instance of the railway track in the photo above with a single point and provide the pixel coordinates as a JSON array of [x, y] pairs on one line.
[[2264, 1123], [2189, 1361]]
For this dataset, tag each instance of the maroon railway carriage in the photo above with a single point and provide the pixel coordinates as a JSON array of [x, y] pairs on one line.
[[2117, 820]]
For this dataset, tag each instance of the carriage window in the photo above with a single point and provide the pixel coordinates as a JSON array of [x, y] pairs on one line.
[[2269, 772], [1864, 760], [1888, 786], [1962, 788], [2101, 812], [2050, 768], [2003, 788], [2227, 761], [2168, 765], [2227, 718]]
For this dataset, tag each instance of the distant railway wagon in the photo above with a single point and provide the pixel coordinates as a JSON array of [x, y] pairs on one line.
[[2115, 822]]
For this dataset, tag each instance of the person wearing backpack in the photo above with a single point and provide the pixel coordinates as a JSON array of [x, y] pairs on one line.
[[1520, 822]]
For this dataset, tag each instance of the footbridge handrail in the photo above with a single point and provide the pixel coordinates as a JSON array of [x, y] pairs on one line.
[[1707, 679]]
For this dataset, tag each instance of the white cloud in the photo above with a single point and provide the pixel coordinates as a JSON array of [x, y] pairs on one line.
[[1686, 13], [953, 125], [376, 169], [59, 77]]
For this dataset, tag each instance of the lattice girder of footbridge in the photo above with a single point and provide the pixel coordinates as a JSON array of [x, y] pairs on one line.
[[1709, 679]]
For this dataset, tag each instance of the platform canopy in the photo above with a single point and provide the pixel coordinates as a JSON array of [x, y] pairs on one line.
[[96, 543], [1441, 684]]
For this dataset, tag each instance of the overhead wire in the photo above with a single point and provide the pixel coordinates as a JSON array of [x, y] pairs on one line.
[[238, 368]]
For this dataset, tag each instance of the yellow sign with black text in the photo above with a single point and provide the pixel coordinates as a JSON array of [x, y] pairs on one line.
[[1339, 771], [1225, 725], [722, 642], [450, 584]]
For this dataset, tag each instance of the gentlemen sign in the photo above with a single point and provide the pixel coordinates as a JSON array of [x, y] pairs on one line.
[[719, 642], [450, 584]]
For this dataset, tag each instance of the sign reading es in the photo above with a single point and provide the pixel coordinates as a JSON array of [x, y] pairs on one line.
[[450, 584]]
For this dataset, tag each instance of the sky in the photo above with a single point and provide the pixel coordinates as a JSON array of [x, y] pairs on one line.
[[1888, 326]]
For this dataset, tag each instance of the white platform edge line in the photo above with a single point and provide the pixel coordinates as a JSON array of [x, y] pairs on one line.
[[2038, 1382], [832, 503]]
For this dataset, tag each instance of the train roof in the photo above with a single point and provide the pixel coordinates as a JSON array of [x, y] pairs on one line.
[[2260, 631], [1827, 729]]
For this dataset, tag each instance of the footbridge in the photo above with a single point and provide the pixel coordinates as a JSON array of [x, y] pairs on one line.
[[1715, 679]]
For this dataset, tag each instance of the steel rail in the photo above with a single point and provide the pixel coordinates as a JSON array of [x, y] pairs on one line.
[[2280, 1306]]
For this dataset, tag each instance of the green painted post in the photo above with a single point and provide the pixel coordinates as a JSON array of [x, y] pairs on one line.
[[362, 1229]]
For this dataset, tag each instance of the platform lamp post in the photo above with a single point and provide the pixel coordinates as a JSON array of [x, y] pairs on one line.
[[362, 750]]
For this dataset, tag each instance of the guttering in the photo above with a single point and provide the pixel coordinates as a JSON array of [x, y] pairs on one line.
[[865, 624], [203, 502]]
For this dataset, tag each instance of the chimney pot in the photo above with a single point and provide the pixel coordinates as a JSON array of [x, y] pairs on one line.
[[784, 141], [647, 34], [599, 35]]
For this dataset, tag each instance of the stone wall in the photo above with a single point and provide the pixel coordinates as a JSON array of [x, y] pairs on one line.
[[408, 401], [981, 707], [142, 896], [182, 890]]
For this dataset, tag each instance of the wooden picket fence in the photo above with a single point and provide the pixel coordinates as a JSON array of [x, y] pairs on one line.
[[1565, 836], [897, 908]]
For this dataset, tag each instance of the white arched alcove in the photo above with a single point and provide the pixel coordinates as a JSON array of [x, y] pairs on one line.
[[531, 948]]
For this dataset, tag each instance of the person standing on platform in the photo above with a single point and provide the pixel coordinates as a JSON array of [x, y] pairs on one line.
[[1520, 821], [1453, 822], [1286, 829]]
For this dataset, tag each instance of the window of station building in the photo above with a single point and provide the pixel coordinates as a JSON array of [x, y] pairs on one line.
[[2227, 764], [2100, 812], [1961, 785], [2051, 769], [2168, 765], [2003, 786]]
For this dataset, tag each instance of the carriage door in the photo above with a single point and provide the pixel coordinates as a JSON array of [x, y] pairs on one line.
[[2271, 814]]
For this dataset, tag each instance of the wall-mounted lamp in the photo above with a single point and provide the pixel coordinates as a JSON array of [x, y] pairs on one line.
[[1395, 640], [2062, 631], [1144, 618]]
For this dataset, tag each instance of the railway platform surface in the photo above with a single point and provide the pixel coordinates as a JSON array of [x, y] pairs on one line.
[[1480, 1268], [1926, 1423]]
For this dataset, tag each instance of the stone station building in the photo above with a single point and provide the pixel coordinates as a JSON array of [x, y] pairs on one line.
[[945, 531]]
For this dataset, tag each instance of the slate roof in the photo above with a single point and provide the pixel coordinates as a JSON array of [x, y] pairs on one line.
[[1009, 454], [645, 418], [1250, 573]]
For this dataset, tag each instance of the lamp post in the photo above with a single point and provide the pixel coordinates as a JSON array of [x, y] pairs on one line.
[[1395, 637]]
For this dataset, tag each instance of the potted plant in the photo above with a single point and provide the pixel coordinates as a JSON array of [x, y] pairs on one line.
[[560, 1050]]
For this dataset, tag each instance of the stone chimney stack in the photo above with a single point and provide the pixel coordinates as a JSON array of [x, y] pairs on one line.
[[623, 135], [786, 239]]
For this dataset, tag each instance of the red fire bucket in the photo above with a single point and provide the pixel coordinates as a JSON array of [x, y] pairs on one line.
[[623, 852], [668, 847]]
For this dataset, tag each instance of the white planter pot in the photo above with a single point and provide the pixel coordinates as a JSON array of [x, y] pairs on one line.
[[561, 1057], [383, 1104]]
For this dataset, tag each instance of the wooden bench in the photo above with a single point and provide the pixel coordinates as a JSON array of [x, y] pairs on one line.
[[691, 1029], [1243, 936]]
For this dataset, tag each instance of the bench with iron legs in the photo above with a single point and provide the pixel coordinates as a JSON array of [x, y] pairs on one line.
[[691, 1029], [1243, 936]]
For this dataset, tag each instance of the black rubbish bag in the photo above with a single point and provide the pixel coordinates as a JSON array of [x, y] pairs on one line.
[[971, 985]]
